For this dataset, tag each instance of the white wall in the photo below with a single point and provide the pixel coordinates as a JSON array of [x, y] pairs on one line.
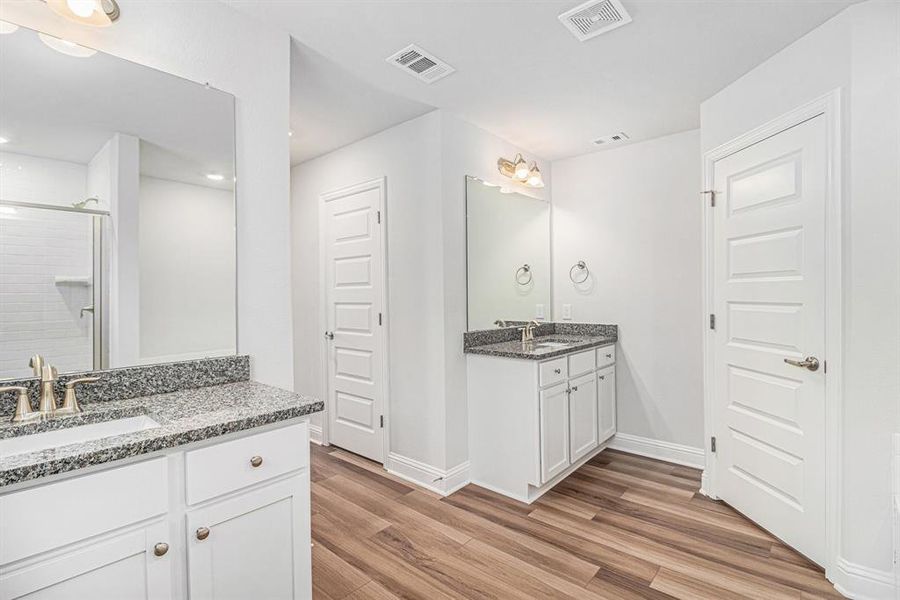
[[186, 271], [859, 52], [633, 215], [25, 178], [425, 161], [211, 42]]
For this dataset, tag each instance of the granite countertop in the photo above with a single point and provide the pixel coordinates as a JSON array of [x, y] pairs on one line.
[[532, 350], [184, 416]]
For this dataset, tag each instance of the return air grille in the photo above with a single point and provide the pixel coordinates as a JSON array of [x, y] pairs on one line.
[[420, 64], [595, 17]]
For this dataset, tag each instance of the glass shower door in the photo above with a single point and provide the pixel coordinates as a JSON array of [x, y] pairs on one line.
[[49, 269]]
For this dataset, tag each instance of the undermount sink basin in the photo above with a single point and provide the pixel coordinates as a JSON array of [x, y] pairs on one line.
[[73, 435], [552, 344]]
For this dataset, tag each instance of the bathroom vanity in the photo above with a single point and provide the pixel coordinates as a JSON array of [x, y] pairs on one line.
[[198, 493], [538, 409]]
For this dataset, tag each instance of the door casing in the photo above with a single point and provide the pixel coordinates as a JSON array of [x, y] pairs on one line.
[[829, 106], [379, 184]]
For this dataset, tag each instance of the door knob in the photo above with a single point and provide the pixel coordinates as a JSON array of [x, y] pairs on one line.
[[810, 362], [202, 533]]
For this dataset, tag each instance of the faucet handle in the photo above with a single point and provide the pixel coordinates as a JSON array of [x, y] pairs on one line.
[[23, 406], [70, 400], [37, 364]]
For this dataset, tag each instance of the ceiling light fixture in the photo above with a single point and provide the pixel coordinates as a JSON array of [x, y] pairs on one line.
[[518, 170], [66, 47], [215, 177], [6, 27], [96, 13]]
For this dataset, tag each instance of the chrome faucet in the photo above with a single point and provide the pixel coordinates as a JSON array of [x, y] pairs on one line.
[[47, 406], [500, 323]]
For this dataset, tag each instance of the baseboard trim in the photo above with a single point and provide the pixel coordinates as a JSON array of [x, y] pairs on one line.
[[315, 434], [659, 449], [862, 583], [428, 476]]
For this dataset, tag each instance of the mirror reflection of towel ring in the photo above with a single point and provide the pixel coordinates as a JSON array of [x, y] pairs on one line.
[[582, 267], [521, 272]]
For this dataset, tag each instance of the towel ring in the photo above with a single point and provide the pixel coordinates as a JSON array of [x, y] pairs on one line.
[[581, 266], [521, 272]]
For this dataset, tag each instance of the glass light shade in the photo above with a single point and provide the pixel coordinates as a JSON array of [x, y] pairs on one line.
[[521, 168], [535, 179], [8, 27], [85, 12], [66, 47]]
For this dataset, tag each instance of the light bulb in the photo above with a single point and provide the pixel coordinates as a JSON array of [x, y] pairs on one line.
[[215, 177], [82, 8], [521, 168], [534, 176]]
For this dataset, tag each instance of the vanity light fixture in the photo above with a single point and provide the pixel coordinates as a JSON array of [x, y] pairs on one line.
[[519, 170], [215, 177], [66, 47], [96, 13], [6, 27]]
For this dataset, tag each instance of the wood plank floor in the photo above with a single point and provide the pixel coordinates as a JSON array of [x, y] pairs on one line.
[[620, 527]]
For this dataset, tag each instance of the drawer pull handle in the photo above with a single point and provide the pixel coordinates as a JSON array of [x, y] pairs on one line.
[[160, 549], [256, 461], [609, 356], [202, 533], [557, 371], [602, 377]]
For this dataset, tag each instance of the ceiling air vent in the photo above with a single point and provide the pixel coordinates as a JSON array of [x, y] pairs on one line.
[[420, 64], [595, 17], [612, 138]]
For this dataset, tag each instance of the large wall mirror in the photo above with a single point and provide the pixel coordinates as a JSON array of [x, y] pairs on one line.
[[117, 211], [507, 255]]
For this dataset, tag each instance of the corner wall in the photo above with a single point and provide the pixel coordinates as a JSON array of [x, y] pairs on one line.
[[211, 42], [857, 51]]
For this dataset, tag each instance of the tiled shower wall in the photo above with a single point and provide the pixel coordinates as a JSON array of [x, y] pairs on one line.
[[45, 267]]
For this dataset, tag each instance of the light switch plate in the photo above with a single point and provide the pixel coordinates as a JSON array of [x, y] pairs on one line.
[[538, 311], [567, 312]]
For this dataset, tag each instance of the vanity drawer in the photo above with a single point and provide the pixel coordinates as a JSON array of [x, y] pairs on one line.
[[554, 371], [228, 466], [580, 363], [606, 355], [50, 516]]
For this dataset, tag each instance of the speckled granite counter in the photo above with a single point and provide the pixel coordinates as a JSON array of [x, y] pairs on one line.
[[506, 341], [184, 416]]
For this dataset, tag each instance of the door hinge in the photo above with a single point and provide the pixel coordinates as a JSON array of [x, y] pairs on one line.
[[379, 318], [378, 215], [712, 444], [712, 321], [712, 197], [381, 421]]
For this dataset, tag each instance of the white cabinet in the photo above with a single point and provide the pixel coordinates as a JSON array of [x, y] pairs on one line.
[[606, 401], [554, 410], [115, 568], [130, 532], [254, 545], [531, 423], [583, 421]]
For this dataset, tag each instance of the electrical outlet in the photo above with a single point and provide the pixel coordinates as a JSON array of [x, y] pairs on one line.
[[567, 312], [539, 311]]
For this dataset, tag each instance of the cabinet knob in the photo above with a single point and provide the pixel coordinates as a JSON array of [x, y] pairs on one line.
[[160, 549], [557, 371], [602, 377], [609, 356], [574, 388], [202, 533], [256, 461]]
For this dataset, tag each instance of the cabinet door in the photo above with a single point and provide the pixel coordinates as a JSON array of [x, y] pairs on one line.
[[255, 545], [583, 422], [606, 396], [554, 431], [124, 567]]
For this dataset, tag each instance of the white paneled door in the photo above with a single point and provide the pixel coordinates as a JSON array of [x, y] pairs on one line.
[[354, 297], [769, 298]]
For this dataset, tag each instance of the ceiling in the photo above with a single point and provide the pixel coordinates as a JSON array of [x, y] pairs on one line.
[[520, 73], [66, 108]]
